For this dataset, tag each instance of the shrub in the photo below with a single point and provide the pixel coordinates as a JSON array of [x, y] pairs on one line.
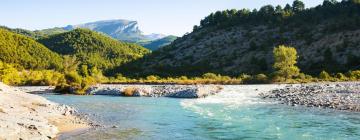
[[324, 75], [183, 78], [354, 75], [341, 77], [244, 77], [120, 77], [129, 91], [43, 78], [73, 78], [209, 76], [10, 75], [260, 78], [152, 78]]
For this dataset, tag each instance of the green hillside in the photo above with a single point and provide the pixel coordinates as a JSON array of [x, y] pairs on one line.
[[50, 31], [28, 33], [26, 52], [94, 49], [156, 44], [233, 42]]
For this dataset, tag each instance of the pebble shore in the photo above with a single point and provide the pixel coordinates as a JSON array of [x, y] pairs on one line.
[[340, 96], [25, 116], [174, 91]]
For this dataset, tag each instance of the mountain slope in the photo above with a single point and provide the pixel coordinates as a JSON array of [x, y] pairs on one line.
[[37, 34], [28, 33], [156, 44], [123, 30], [94, 49], [233, 42], [51, 31], [26, 52]]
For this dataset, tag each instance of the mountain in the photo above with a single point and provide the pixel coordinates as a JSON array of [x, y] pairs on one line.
[[156, 44], [94, 49], [51, 31], [155, 36], [232, 42], [123, 30], [26, 52], [28, 33], [37, 34]]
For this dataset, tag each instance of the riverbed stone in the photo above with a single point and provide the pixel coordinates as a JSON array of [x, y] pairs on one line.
[[174, 91], [340, 96]]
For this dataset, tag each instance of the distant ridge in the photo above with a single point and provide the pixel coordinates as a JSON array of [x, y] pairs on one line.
[[120, 29]]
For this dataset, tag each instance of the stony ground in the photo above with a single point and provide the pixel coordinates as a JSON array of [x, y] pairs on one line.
[[174, 91], [26, 116], [341, 96]]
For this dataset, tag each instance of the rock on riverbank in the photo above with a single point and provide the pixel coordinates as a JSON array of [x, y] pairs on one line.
[[27, 116], [175, 91], [341, 96]]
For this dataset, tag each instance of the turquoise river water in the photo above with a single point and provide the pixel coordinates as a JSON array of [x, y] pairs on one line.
[[235, 113]]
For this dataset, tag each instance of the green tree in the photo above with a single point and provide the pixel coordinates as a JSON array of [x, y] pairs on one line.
[[70, 64], [355, 1], [298, 6], [285, 60], [279, 10], [84, 71]]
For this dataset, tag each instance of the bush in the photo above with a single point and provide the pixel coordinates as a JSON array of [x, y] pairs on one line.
[[152, 78], [261, 78], [73, 78], [183, 78], [244, 77], [210, 76], [10, 75], [354, 75], [120, 77], [129, 91], [324, 75], [341, 77]]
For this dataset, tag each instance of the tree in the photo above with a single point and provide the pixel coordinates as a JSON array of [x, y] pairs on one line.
[[328, 3], [285, 60], [267, 10], [279, 10], [287, 8], [298, 6], [70, 64], [355, 1], [84, 71]]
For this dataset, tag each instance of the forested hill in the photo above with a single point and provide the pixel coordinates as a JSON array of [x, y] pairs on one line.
[[94, 49], [156, 44], [232, 42], [26, 52]]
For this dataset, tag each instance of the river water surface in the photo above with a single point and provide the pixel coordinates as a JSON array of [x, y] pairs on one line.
[[235, 113]]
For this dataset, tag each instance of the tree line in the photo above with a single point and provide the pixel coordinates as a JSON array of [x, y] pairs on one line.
[[278, 15]]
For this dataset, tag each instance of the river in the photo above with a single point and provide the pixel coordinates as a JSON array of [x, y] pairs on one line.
[[235, 113]]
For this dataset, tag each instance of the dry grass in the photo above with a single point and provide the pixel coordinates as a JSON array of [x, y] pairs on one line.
[[39, 104], [2, 111], [129, 91]]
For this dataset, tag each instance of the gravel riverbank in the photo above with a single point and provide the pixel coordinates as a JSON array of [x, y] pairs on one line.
[[27, 116], [340, 96], [174, 91]]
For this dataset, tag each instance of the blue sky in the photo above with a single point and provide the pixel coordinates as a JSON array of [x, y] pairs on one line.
[[154, 16]]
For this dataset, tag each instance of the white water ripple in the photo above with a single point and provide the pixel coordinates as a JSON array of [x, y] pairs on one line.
[[232, 97]]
